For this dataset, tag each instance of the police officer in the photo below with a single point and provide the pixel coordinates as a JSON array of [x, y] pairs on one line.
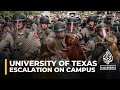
[[29, 23], [9, 24], [59, 29], [72, 27], [43, 29], [92, 20], [108, 22], [85, 33], [23, 45], [8, 20], [102, 31], [2, 32]]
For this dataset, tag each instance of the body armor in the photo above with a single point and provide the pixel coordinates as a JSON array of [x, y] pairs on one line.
[[18, 46]]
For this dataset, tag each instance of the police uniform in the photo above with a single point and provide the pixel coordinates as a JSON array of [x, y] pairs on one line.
[[45, 33], [2, 36], [4, 30], [85, 36], [74, 31], [92, 32], [22, 45], [59, 27], [91, 44], [59, 42]]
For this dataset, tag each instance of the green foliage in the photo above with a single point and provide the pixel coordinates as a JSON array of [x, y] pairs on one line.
[[9, 13]]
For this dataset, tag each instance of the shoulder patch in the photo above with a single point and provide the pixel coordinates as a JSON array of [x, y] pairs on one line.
[[35, 34]]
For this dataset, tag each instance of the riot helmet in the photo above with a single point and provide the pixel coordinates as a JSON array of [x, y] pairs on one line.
[[29, 21], [19, 17], [71, 23], [19, 21], [8, 19], [44, 20], [92, 18], [108, 19], [59, 26], [2, 21], [92, 21], [71, 20], [59, 29], [102, 30]]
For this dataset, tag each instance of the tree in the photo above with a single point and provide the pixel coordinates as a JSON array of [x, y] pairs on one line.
[[10, 13]]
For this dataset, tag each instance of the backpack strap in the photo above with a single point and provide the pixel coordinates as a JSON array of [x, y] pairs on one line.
[[26, 34], [14, 34]]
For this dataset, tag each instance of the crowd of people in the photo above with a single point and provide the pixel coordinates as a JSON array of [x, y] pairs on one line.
[[56, 37]]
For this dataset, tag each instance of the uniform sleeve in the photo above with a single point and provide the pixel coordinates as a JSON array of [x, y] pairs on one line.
[[85, 32], [79, 35], [50, 33], [5, 42]]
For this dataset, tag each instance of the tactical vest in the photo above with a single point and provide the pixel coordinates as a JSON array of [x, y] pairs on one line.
[[18, 46], [97, 40], [59, 43], [92, 33], [43, 34], [84, 40]]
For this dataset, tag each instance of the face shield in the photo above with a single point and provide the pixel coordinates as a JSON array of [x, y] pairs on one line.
[[71, 26], [103, 32]]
